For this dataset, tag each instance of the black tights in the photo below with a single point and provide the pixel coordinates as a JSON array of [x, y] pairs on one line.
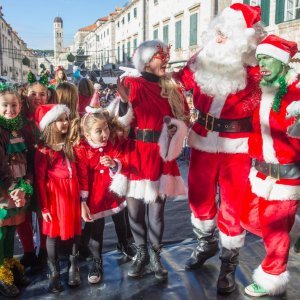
[[52, 247], [95, 231], [139, 212]]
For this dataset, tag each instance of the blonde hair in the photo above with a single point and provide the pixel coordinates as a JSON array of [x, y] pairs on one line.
[[67, 94], [114, 126], [85, 87], [170, 90], [51, 136]]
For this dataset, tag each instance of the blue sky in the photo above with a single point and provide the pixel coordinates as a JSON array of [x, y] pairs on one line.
[[33, 19]]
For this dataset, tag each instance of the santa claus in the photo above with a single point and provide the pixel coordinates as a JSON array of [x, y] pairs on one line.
[[273, 190], [225, 83]]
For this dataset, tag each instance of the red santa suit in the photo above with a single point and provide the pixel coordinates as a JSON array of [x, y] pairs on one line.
[[220, 157], [148, 174], [94, 179], [273, 189]]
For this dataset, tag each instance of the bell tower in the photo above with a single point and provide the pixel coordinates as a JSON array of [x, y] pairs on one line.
[[58, 38]]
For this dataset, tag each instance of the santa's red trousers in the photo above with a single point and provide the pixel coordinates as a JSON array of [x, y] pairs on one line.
[[272, 220], [230, 172]]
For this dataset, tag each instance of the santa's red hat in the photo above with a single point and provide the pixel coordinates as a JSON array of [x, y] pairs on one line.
[[94, 106], [48, 113], [278, 48], [249, 14]]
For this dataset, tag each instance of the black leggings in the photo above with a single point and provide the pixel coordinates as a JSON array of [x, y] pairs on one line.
[[52, 247], [139, 212], [95, 231]]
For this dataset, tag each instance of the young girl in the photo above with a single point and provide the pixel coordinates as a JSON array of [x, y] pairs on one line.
[[97, 162], [57, 190], [36, 95], [13, 185], [60, 76]]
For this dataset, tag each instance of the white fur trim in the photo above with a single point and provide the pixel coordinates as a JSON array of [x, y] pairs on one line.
[[144, 53], [291, 77], [232, 242], [119, 185], [267, 99], [206, 226], [217, 105], [170, 150], [93, 110], [119, 164], [84, 194], [273, 51], [109, 212], [171, 186], [213, 143], [274, 284], [113, 109], [53, 114], [270, 190]]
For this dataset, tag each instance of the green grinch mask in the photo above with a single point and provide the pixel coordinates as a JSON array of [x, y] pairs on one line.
[[271, 69]]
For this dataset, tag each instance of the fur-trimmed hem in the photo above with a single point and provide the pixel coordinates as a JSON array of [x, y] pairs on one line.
[[213, 143], [206, 226], [232, 242], [109, 212], [170, 150], [270, 190], [171, 186], [113, 109], [274, 284]]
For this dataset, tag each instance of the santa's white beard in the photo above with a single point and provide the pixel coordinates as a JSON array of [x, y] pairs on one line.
[[219, 70]]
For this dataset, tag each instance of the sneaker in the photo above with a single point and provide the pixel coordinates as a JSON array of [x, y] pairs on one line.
[[96, 272], [255, 290]]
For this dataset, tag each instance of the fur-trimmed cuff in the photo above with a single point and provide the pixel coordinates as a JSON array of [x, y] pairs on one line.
[[232, 242], [84, 194], [113, 109], [274, 284], [170, 150], [119, 167], [119, 185], [206, 226]]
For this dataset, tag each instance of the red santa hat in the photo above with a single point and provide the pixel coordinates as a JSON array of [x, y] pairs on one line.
[[145, 52], [48, 113], [278, 48], [249, 14], [94, 106]]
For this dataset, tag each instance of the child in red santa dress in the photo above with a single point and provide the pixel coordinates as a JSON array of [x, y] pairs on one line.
[[97, 157], [152, 148], [57, 189], [274, 182]]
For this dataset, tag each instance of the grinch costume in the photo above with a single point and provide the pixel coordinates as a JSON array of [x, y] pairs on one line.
[[12, 172], [273, 189]]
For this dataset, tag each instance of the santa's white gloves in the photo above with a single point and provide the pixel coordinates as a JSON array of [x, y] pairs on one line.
[[130, 72], [293, 109]]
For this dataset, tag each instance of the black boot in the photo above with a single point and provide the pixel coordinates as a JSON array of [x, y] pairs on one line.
[[19, 277], [28, 259], [140, 261], [160, 272], [74, 276], [96, 272], [126, 250], [54, 277], [41, 262], [207, 247], [226, 281]]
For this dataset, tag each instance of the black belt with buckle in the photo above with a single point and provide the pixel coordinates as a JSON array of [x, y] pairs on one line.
[[145, 135], [278, 171], [224, 125]]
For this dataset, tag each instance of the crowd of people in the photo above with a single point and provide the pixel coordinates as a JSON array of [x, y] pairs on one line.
[[77, 153]]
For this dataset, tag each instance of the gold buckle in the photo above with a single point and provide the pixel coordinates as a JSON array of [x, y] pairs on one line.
[[212, 122], [144, 133], [277, 171]]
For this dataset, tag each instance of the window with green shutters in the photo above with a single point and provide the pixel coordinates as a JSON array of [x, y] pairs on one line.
[[193, 29], [178, 35], [123, 52], [128, 49], [135, 12], [155, 34], [166, 34], [134, 44]]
